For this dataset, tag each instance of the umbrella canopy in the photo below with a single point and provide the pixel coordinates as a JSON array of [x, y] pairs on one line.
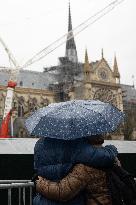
[[74, 119]]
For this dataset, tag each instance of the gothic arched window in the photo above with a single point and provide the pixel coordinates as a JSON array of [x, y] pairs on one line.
[[2, 102], [21, 83], [20, 110], [44, 102], [21, 107], [32, 104]]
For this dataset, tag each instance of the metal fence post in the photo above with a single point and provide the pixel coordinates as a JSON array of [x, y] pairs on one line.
[[9, 196], [19, 195], [30, 195], [23, 195]]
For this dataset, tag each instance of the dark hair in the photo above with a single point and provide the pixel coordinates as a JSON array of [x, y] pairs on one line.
[[96, 139]]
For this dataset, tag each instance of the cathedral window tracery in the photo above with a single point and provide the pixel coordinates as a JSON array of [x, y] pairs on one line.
[[105, 95]]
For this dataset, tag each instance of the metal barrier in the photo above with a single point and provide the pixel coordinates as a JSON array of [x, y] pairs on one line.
[[21, 185]]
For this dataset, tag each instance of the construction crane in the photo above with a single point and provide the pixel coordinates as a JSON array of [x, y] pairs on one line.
[[12, 80], [16, 68], [4, 132]]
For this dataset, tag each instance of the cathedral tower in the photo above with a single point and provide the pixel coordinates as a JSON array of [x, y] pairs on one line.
[[71, 51], [87, 70], [116, 73]]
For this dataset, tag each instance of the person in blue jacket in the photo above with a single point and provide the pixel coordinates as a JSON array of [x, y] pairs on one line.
[[54, 159]]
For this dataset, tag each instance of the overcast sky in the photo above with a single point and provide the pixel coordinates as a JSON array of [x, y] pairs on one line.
[[27, 26]]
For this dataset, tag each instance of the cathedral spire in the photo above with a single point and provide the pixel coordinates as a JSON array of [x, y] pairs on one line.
[[102, 53], [87, 70], [69, 19], [86, 65], [71, 51], [115, 69]]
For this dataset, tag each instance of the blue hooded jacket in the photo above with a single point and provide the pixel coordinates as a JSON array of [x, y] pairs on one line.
[[54, 159]]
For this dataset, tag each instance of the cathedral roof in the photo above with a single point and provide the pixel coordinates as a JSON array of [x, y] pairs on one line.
[[28, 79], [129, 93]]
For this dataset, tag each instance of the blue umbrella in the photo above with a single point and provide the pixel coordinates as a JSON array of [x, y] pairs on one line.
[[74, 119]]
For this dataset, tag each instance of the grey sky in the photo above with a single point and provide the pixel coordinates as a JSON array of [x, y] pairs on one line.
[[27, 26]]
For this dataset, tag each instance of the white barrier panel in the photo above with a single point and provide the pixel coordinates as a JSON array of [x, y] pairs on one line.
[[17, 145], [26, 145]]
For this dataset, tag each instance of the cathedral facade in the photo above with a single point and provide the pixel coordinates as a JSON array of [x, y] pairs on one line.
[[88, 80], [67, 81]]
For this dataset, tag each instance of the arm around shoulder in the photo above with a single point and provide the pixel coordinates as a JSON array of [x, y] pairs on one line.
[[65, 189], [96, 156]]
